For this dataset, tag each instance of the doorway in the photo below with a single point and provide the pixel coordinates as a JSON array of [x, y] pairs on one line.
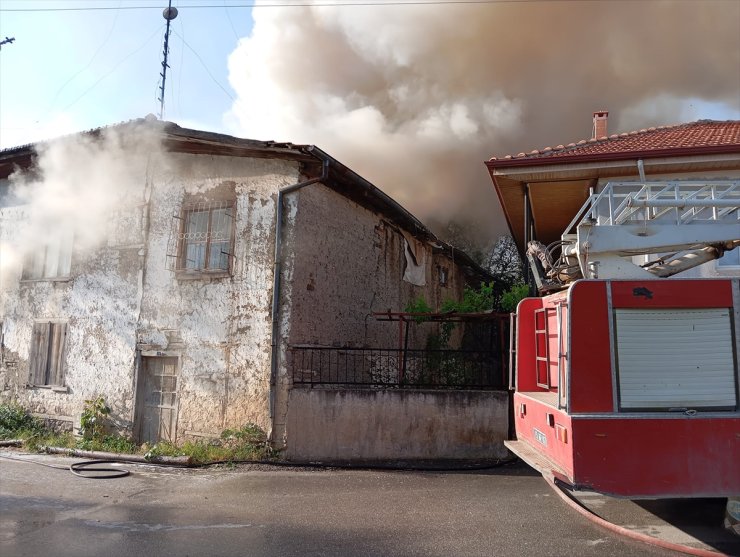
[[156, 395]]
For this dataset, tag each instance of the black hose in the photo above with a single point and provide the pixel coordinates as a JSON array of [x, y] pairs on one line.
[[83, 469]]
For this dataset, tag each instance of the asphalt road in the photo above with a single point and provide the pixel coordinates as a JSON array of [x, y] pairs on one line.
[[283, 512]]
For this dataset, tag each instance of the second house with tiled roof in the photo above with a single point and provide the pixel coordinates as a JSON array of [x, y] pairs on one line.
[[543, 190]]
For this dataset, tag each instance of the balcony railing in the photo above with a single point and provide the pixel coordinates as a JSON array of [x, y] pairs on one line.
[[395, 368]]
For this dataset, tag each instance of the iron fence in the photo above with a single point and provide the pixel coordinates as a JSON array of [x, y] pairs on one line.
[[396, 368]]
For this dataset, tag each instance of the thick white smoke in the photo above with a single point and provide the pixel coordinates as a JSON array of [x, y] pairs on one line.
[[416, 97], [71, 195]]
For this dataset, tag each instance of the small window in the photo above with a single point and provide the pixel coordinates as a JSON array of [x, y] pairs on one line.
[[52, 258], [731, 258], [46, 361], [206, 241]]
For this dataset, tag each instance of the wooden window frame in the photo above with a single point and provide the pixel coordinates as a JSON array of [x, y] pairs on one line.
[[183, 271]]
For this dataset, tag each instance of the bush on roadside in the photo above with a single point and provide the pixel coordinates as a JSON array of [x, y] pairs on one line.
[[17, 423], [246, 443]]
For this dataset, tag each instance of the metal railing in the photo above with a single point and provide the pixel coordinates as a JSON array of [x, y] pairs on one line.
[[395, 368]]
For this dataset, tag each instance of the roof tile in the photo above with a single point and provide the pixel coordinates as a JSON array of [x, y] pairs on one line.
[[701, 134]]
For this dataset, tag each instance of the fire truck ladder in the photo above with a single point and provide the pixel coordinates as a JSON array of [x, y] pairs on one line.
[[682, 223]]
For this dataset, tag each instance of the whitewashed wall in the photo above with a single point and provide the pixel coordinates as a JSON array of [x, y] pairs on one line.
[[122, 298]]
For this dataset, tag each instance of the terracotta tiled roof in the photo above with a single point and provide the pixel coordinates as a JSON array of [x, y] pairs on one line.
[[704, 136]]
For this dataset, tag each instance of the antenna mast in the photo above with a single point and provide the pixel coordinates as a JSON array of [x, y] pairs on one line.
[[169, 14]]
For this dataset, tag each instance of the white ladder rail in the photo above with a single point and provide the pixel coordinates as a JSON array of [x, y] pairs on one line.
[[627, 219], [649, 201]]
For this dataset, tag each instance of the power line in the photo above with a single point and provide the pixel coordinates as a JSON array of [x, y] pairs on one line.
[[304, 4], [114, 68], [228, 16], [204, 64], [108, 35]]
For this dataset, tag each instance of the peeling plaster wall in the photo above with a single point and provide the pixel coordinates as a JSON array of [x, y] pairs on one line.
[[342, 263], [99, 301], [123, 299], [349, 263], [222, 325]]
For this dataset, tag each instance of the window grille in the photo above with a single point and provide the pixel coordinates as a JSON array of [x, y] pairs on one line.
[[203, 237]]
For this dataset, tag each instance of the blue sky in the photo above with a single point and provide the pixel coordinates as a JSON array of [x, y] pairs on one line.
[[73, 70]]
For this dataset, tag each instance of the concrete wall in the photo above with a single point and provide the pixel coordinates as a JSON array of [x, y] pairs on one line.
[[362, 425]]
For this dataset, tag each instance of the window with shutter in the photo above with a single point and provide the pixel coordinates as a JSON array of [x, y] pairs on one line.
[[675, 359], [46, 361]]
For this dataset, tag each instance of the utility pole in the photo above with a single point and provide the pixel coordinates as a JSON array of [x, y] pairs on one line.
[[169, 14], [7, 40]]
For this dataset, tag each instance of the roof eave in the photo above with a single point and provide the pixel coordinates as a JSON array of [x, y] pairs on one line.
[[497, 164]]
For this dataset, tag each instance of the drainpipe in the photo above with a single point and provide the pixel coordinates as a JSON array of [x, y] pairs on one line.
[[276, 275], [641, 170]]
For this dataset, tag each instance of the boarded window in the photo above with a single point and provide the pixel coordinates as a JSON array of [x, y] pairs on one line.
[[46, 361], [205, 241], [52, 258], [675, 359]]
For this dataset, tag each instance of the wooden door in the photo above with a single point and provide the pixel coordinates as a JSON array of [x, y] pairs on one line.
[[157, 400]]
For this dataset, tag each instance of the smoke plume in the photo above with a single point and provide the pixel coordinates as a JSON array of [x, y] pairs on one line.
[[416, 97], [69, 198]]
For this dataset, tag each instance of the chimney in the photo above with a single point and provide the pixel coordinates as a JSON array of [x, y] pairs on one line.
[[600, 119]]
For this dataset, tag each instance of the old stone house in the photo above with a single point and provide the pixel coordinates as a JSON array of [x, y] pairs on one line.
[[213, 256]]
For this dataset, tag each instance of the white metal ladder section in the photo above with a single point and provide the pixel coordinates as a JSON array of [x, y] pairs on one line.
[[661, 202]]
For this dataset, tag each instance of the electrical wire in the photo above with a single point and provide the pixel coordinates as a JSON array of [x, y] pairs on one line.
[[204, 64], [304, 4], [114, 68], [179, 70], [231, 23], [108, 35]]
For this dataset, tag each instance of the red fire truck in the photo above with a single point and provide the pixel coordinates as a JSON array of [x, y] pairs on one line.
[[626, 376]]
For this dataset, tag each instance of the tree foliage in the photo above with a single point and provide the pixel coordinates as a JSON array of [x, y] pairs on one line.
[[504, 263]]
